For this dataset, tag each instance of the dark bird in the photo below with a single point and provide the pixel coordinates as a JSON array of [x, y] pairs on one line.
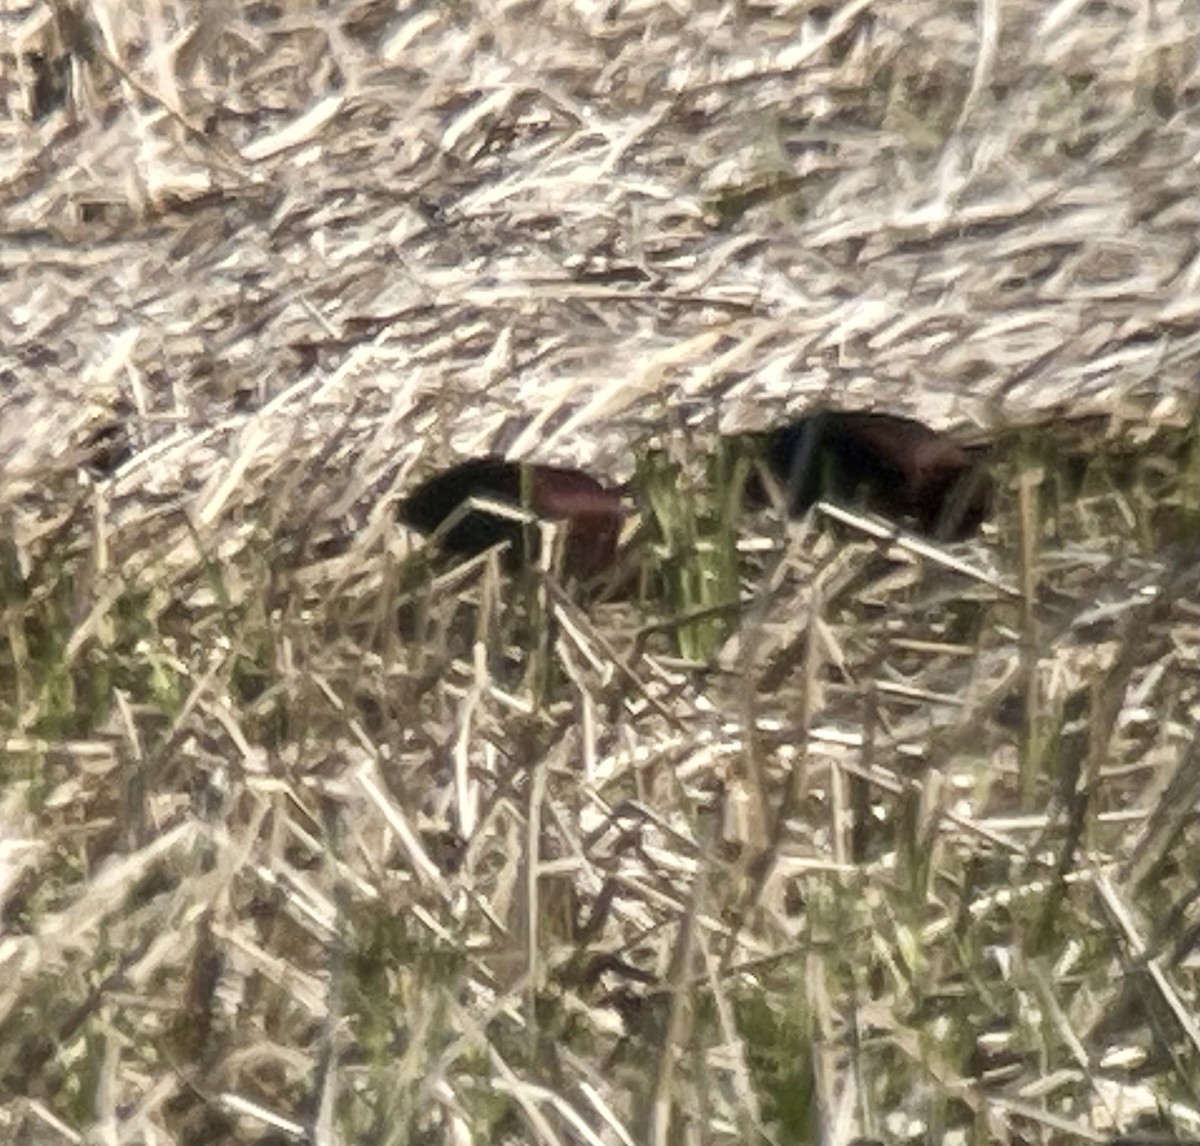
[[894, 466], [592, 513]]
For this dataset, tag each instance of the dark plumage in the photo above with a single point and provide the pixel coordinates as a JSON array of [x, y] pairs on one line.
[[592, 512], [895, 466]]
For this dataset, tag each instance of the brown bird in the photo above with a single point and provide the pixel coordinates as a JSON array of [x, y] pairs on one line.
[[895, 466], [593, 514]]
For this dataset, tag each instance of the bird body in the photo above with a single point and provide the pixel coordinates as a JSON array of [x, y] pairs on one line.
[[445, 504], [896, 466]]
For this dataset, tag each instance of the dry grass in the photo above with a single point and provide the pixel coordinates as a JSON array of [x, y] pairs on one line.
[[302, 838]]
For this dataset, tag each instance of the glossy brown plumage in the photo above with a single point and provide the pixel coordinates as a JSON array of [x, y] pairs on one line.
[[593, 513], [895, 466]]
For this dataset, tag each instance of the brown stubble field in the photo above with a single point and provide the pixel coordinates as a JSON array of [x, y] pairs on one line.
[[827, 834]]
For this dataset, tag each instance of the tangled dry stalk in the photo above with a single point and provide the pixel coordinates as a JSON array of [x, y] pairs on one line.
[[304, 839]]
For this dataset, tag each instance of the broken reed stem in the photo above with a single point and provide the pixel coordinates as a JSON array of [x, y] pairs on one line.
[[1028, 484]]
